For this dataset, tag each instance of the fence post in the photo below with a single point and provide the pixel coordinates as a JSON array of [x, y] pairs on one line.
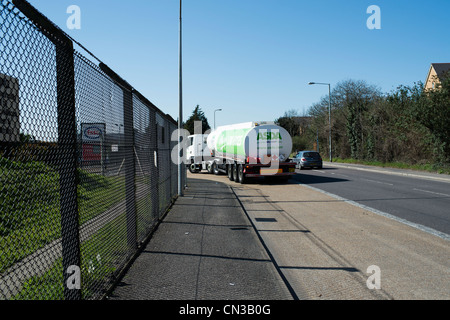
[[68, 179], [153, 156], [130, 170], [129, 164], [67, 148], [154, 170]]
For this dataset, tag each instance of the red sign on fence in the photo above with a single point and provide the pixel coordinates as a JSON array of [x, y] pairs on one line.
[[92, 152]]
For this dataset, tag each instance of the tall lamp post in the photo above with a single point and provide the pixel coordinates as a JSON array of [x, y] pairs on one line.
[[329, 110], [215, 117], [180, 115]]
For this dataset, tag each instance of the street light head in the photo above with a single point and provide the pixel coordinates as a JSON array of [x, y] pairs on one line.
[[311, 83]]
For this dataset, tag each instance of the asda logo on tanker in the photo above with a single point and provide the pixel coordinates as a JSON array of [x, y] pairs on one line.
[[269, 136]]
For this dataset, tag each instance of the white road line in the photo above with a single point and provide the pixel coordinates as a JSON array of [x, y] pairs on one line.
[[319, 171], [342, 175], [384, 214], [376, 181], [437, 193]]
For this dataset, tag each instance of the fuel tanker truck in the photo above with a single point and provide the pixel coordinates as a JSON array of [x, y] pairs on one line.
[[242, 151]]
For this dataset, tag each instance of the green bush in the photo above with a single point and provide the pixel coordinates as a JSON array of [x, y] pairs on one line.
[[408, 126]]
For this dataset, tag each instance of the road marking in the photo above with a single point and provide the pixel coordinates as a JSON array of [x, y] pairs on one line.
[[342, 175], [319, 171], [376, 181], [384, 214], [437, 193]]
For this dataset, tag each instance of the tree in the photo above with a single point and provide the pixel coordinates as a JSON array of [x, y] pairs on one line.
[[350, 129], [432, 110], [352, 100], [408, 125], [288, 122], [197, 115]]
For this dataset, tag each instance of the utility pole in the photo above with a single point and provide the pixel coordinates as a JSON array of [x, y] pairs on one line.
[[329, 112], [180, 113]]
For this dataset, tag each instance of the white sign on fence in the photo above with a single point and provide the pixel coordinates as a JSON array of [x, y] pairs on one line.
[[93, 132]]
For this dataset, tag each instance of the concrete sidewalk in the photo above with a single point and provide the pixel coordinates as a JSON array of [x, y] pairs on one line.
[[204, 249]]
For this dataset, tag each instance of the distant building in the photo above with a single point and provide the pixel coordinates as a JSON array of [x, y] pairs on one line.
[[9, 109], [435, 74]]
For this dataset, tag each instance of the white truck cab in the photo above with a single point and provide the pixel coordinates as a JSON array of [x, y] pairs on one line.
[[198, 153]]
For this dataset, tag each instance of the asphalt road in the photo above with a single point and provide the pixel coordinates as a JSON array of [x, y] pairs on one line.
[[422, 201]]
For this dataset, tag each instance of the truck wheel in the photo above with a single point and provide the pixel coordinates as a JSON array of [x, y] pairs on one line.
[[236, 172], [215, 169], [241, 174], [230, 169], [193, 168], [209, 168]]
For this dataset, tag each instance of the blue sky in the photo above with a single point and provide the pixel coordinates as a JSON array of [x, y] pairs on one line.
[[254, 58]]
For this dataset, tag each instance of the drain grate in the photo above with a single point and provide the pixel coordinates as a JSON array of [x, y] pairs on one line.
[[265, 219]]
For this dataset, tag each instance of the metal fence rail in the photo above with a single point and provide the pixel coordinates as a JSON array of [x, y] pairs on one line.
[[85, 164]]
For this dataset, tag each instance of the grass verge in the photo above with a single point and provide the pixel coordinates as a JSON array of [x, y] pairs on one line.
[[29, 205]]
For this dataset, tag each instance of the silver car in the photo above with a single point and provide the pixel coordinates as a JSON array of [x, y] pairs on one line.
[[308, 159]]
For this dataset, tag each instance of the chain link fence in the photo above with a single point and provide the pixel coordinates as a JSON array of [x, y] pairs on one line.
[[85, 164]]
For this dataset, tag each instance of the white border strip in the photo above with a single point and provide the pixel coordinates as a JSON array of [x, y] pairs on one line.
[[384, 214]]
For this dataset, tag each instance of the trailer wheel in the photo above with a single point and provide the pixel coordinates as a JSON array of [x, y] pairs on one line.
[[241, 174], [215, 169], [236, 172], [230, 169]]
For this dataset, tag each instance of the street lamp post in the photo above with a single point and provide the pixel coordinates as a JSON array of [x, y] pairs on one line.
[[180, 114], [329, 111], [215, 117]]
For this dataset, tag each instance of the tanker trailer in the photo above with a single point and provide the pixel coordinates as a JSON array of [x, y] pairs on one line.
[[251, 149]]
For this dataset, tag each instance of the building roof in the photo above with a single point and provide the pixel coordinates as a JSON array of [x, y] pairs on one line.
[[441, 68]]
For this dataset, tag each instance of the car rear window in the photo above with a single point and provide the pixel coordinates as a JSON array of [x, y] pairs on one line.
[[314, 155]]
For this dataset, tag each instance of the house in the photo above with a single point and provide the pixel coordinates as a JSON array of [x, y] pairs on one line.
[[435, 74]]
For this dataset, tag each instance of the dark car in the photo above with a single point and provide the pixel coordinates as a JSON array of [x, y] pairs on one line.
[[308, 159]]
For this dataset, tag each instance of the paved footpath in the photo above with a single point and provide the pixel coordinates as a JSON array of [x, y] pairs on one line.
[[204, 249]]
